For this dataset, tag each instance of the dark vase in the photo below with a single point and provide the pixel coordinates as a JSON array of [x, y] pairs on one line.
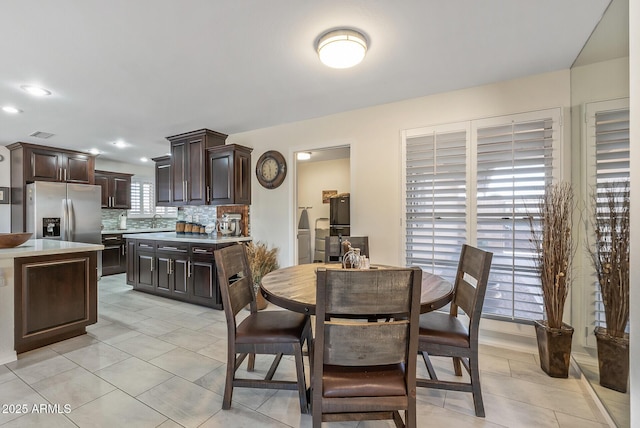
[[613, 360], [554, 348]]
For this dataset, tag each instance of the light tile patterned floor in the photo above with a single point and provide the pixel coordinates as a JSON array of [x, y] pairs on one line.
[[153, 362]]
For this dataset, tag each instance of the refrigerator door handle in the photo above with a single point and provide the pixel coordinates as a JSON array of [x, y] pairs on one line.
[[65, 221], [72, 221]]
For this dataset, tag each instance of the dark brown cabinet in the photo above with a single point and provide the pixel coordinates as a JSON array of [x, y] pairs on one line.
[[55, 298], [114, 255], [173, 269], [229, 175], [163, 181], [188, 170], [176, 270], [116, 189], [32, 162]]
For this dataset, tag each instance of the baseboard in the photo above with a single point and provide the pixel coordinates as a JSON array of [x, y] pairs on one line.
[[592, 392]]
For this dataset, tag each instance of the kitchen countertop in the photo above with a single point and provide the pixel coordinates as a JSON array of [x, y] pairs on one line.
[[148, 230], [43, 247], [172, 236]]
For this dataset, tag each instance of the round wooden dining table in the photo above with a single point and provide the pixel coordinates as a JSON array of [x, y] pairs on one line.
[[294, 288]]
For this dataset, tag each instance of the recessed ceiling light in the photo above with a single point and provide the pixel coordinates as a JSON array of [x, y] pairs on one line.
[[35, 90], [11, 110], [120, 144], [144, 159], [304, 155], [94, 151], [342, 48]]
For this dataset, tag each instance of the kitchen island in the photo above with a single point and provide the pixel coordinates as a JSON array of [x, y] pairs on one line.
[[48, 293], [177, 266]]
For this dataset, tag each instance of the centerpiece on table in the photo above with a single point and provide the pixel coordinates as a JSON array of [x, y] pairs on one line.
[[552, 239], [610, 259], [262, 260]]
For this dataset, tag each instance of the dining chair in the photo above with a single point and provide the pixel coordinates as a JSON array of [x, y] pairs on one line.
[[361, 369], [267, 332], [333, 247], [446, 335]]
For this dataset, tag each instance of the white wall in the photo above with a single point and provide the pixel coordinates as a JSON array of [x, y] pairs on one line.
[[5, 181], [313, 178], [374, 137], [634, 60]]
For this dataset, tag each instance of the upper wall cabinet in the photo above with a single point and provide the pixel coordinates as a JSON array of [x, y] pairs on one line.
[[40, 163], [163, 181], [189, 173], [32, 162], [229, 175], [116, 189]]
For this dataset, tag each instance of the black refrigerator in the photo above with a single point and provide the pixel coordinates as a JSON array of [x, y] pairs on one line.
[[339, 215]]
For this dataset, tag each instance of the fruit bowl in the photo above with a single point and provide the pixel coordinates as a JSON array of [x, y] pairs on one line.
[[10, 240]]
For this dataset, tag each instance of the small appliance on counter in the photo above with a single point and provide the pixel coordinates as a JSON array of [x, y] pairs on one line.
[[122, 221], [229, 224]]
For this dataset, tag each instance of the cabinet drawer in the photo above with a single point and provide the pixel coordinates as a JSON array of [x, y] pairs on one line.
[[203, 250], [146, 245], [112, 239], [172, 247]]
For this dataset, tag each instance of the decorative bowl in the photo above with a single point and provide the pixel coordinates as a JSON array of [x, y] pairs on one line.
[[10, 240]]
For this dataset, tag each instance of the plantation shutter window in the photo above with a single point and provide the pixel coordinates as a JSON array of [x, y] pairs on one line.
[[514, 165], [436, 199], [143, 201], [474, 182]]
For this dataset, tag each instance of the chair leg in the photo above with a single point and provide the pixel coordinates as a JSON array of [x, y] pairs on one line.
[[474, 374], [228, 384], [302, 385], [457, 368], [251, 363]]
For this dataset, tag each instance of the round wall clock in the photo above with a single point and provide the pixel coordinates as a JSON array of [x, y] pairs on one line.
[[271, 169]]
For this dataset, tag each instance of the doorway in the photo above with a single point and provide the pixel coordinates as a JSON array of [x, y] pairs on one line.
[[320, 173]]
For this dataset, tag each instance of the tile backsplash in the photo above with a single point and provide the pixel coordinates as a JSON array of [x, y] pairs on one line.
[[197, 214]]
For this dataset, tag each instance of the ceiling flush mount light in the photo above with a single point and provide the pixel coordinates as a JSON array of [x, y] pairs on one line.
[[144, 160], [120, 144], [35, 90], [304, 155], [11, 110], [342, 48], [94, 151]]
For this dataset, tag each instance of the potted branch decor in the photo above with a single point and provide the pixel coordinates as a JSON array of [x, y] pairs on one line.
[[552, 240], [262, 260], [610, 258]]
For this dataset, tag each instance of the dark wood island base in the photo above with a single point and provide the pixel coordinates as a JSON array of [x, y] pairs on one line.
[[55, 298]]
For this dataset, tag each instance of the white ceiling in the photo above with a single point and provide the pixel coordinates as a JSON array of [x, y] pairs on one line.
[[142, 70]]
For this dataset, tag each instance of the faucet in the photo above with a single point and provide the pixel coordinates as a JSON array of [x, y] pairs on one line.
[[154, 220]]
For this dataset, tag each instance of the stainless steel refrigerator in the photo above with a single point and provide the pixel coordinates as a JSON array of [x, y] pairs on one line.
[[66, 212]]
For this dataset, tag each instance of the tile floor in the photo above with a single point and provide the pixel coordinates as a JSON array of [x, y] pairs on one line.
[[153, 362]]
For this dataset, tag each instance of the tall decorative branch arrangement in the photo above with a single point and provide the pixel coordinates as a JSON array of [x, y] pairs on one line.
[[553, 242], [610, 253]]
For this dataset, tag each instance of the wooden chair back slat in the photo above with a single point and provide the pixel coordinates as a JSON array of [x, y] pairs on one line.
[[471, 284], [234, 277], [363, 292], [372, 343]]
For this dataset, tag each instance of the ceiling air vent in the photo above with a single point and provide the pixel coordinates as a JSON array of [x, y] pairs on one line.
[[40, 134]]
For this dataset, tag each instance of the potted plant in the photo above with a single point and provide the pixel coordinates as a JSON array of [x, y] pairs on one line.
[[262, 260], [551, 237], [610, 259]]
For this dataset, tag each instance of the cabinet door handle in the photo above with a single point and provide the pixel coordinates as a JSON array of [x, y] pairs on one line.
[[167, 248], [111, 238], [200, 251], [189, 269], [186, 189], [65, 174], [60, 174], [123, 246], [169, 266], [208, 198], [152, 265]]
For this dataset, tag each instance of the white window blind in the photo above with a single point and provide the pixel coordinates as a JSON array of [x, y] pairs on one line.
[[474, 182], [436, 198], [514, 164], [608, 148], [143, 201]]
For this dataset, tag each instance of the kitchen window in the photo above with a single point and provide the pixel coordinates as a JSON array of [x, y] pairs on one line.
[[473, 182], [143, 203]]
